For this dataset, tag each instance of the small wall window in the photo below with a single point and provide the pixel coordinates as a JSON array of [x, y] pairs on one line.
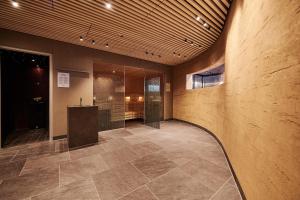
[[207, 78]]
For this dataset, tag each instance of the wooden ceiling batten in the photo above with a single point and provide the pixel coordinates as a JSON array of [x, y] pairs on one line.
[[156, 26]]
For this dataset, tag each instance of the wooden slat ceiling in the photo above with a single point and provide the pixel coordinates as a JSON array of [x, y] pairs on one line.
[[163, 31]]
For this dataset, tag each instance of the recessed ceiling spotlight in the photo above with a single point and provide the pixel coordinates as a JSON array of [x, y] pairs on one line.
[[93, 42], [179, 55], [33, 60], [185, 40], [15, 3], [206, 25], [114, 71], [198, 18], [192, 43], [108, 5], [174, 53], [106, 45], [81, 38]]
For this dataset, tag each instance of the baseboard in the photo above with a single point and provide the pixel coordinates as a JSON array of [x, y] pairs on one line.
[[227, 158], [59, 137]]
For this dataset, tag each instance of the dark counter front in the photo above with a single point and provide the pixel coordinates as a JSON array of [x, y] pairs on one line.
[[83, 126]]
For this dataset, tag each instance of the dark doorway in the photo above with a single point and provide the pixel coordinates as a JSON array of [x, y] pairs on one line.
[[24, 97]]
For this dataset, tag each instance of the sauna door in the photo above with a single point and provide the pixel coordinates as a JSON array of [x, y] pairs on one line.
[[152, 101]]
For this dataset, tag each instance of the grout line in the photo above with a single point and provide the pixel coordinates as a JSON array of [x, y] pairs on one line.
[[130, 192], [95, 188], [149, 180], [220, 188], [59, 175], [156, 197], [11, 160]]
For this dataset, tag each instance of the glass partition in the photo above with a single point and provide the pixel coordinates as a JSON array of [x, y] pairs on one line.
[[152, 101], [109, 94]]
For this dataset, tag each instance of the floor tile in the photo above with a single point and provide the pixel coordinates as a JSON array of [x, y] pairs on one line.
[[209, 174], [86, 151], [154, 165], [6, 156], [145, 148], [10, 169], [81, 169], [114, 144], [117, 182], [29, 184], [33, 164], [228, 192], [77, 190], [119, 157], [178, 185], [178, 161], [141, 193], [180, 156]]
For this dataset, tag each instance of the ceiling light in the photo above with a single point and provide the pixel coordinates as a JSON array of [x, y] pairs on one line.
[[15, 3], [206, 25], [178, 55], [198, 18], [192, 43], [108, 5], [93, 42], [107, 45], [174, 53], [33, 60], [81, 38], [185, 40], [114, 71], [147, 52]]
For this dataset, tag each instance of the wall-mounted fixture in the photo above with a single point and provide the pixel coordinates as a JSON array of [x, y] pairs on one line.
[[127, 99]]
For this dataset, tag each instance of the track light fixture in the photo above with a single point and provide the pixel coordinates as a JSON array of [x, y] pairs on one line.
[[80, 38], [93, 42], [106, 45]]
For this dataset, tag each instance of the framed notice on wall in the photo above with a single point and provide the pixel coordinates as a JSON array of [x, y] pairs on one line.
[[63, 80]]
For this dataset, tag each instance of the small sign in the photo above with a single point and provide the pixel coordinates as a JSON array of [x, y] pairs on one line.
[[63, 80], [168, 87]]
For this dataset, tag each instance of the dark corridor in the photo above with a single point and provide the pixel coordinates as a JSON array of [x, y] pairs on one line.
[[24, 97]]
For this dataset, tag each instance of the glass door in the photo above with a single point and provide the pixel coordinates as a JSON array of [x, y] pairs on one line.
[[109, 96], [152, 101]]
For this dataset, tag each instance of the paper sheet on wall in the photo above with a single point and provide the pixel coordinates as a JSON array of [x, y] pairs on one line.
[[63, 80]]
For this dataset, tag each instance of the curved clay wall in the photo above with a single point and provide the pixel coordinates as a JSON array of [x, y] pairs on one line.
[[256, 113]]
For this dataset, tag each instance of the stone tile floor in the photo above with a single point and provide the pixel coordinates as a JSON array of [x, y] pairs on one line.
[[178, 161]]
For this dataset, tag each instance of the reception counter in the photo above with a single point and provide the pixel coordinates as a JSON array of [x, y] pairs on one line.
[[82, 126]]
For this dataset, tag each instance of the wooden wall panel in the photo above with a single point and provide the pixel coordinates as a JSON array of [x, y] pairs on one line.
[[256, 113]]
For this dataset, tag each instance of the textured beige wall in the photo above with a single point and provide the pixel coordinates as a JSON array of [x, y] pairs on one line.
[[256, 113], [71, 56]]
